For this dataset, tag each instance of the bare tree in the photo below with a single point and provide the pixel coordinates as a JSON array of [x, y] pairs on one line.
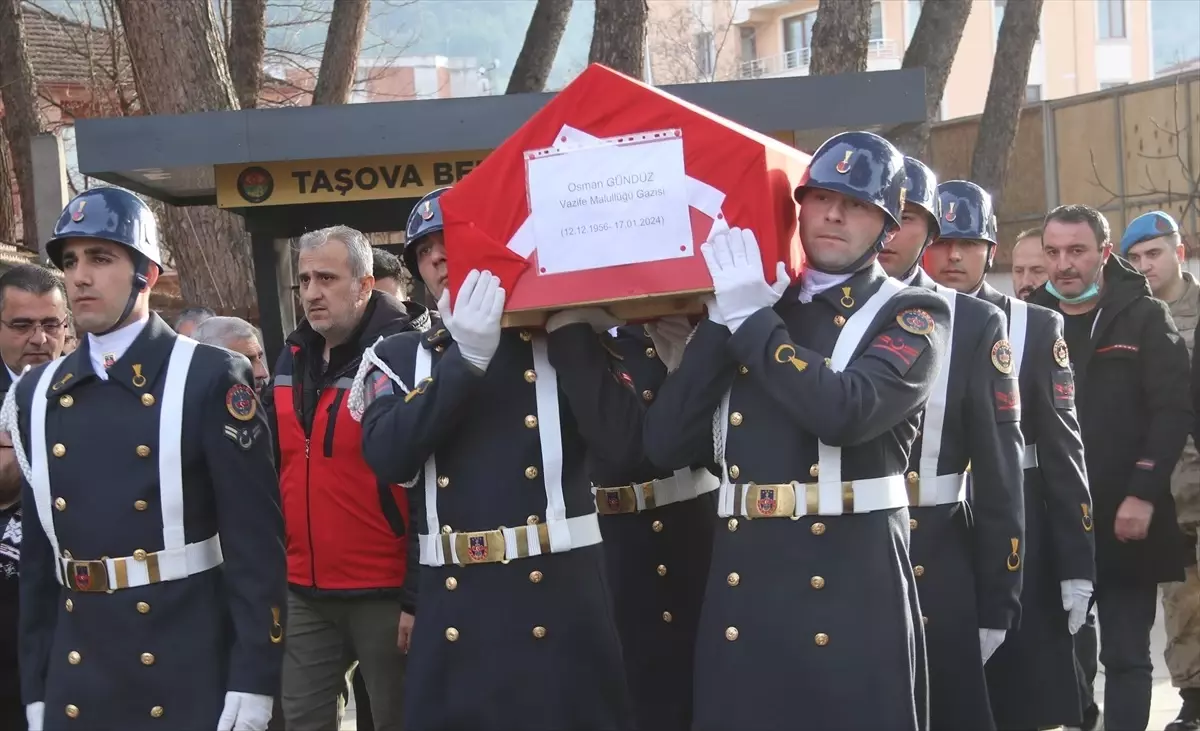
[[933, 46], [343, 43], [1006, 96], [841, 37], [8, 214], [688, 47], [22, 122], [247, 34], [619, 36], [546, 29]]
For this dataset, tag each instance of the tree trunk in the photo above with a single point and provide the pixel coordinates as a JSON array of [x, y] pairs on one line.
[[546, 29], [8, 213], [18, 94], [619, 36], [840, 37], [247, 41], [179, 64], [933, 47], [1006, 96], [339, 61]]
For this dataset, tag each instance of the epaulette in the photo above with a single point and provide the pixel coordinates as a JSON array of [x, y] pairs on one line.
[[436, 339]]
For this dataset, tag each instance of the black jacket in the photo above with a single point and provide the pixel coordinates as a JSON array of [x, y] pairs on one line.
[[1135, 414]]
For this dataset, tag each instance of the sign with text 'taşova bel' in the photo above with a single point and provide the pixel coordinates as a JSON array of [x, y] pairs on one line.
[[340, 180], [605, 202]]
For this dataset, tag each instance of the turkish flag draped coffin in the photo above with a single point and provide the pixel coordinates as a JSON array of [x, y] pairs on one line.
[[735, 177]]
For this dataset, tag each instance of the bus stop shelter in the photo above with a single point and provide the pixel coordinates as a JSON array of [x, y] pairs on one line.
[[291, 170]]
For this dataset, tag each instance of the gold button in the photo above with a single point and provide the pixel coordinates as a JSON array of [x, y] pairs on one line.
[[734, 471], [143, 608], [818, 529], [743, 370], [443, 481], [139, 555], [656, 526], [60, 504], [59, 450], [72, 711], [647, 395], [912, 523], [814, 470], [650, 353], [733, 579], [662, 570], [535, 577], [532, 520], [143, 450], [828, 362], [539, 632], [451, 583], [140, 505], [735, 418], [66, 401], [530, 422], [447, 530], [912, 476], [147, 658], [452, 634], [731, 633], [147, 399], [839, 320], [918, 570], [821, 639], [667, 617], [526, 335], [732, 524], [817, 582], [157, 712], [74, 657], [70, 606], [531, 472], [924, 620], [530, 376]]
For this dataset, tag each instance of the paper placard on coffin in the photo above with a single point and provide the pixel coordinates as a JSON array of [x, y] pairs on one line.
[[736, 177]]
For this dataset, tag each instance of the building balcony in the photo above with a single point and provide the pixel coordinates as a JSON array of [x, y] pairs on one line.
[[882, 54]]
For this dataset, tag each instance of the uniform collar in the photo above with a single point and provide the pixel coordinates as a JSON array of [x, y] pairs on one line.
[[113, 343], [136, 369], [848, 296]]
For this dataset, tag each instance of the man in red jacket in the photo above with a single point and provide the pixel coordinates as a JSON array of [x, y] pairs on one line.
[[347, 533]]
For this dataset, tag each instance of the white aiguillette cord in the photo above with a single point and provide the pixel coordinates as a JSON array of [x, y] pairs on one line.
[[10, 422]]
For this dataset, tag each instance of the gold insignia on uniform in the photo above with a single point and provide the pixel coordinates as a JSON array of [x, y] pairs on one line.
[[843, 167], [1087, 517], [241, 402], [847, 300], [950, 215], [138, 379], [917, 322], [417, 389], [1061, 355], [276, 626], [1013, 562], [62, 381], [786, 353], [1002, 357]]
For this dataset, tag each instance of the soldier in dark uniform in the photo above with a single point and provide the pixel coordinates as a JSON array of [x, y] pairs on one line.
[[810, 615], [152, 569], [658, 532], [966, 555], [1031, 678], [493, 427]]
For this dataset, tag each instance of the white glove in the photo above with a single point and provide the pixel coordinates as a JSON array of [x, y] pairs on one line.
[[35, 715], [599, 318], [670, 335], [735, 264], [1076, 593], [990, 640], [475, 321], [245, 712]]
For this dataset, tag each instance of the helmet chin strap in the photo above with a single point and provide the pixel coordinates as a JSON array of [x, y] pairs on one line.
[[862, 261], [140, 282], [987, 267]]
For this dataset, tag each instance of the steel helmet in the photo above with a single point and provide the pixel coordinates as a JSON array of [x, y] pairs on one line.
[[967, 212], [861, 165], [425, 219], [111, 214], [923, 191]]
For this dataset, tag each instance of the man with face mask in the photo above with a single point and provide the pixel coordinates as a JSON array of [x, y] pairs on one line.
[[968, 560], [493, 427], [1131, 380], [809, 398], [1031, 677], [136, 449]]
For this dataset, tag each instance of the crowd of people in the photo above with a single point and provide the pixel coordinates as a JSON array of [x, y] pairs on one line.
[[579, 526]]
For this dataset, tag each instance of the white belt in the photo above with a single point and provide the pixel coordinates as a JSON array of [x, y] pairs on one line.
[[681, 486], [109, 574], [505, 544], [1029, 459], [939, 490], [797, 499]]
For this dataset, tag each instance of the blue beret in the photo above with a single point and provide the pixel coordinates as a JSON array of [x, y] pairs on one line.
[[1145, 227]]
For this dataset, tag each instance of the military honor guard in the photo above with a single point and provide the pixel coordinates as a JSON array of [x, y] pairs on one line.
[[1031, 677], [967, 553], [493, 427], [152, 566], [809, 398]]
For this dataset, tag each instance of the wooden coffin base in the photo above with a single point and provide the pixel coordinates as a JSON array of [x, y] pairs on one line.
[[634, 309]]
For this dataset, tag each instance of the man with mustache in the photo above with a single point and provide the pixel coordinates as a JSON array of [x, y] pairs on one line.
[[1031, 677], [1028, 263], [967, 546], [1132, 383]]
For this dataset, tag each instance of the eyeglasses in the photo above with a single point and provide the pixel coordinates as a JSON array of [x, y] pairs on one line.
[[28, 327]]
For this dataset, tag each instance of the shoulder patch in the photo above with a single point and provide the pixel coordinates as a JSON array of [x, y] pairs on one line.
[[240, 402], [898, 351], [1007, 396], [1064, 390], [917, 322], [1061, 356], [1002, 357]]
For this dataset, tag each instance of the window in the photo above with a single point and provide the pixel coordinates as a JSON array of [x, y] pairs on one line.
[[912, 14], [876, 21], [1112, 18], [797, 38], [705, 54], [1033, 93], [749, 44]]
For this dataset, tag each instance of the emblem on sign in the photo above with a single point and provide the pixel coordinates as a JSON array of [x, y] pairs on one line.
[[77, 214], [843, 167], [950, 215], [426, 211], [766, 501], [255, 184], [83, 577], [1061, 356], [917, 322], [1002, 357], [240, 402], [477, 548]]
